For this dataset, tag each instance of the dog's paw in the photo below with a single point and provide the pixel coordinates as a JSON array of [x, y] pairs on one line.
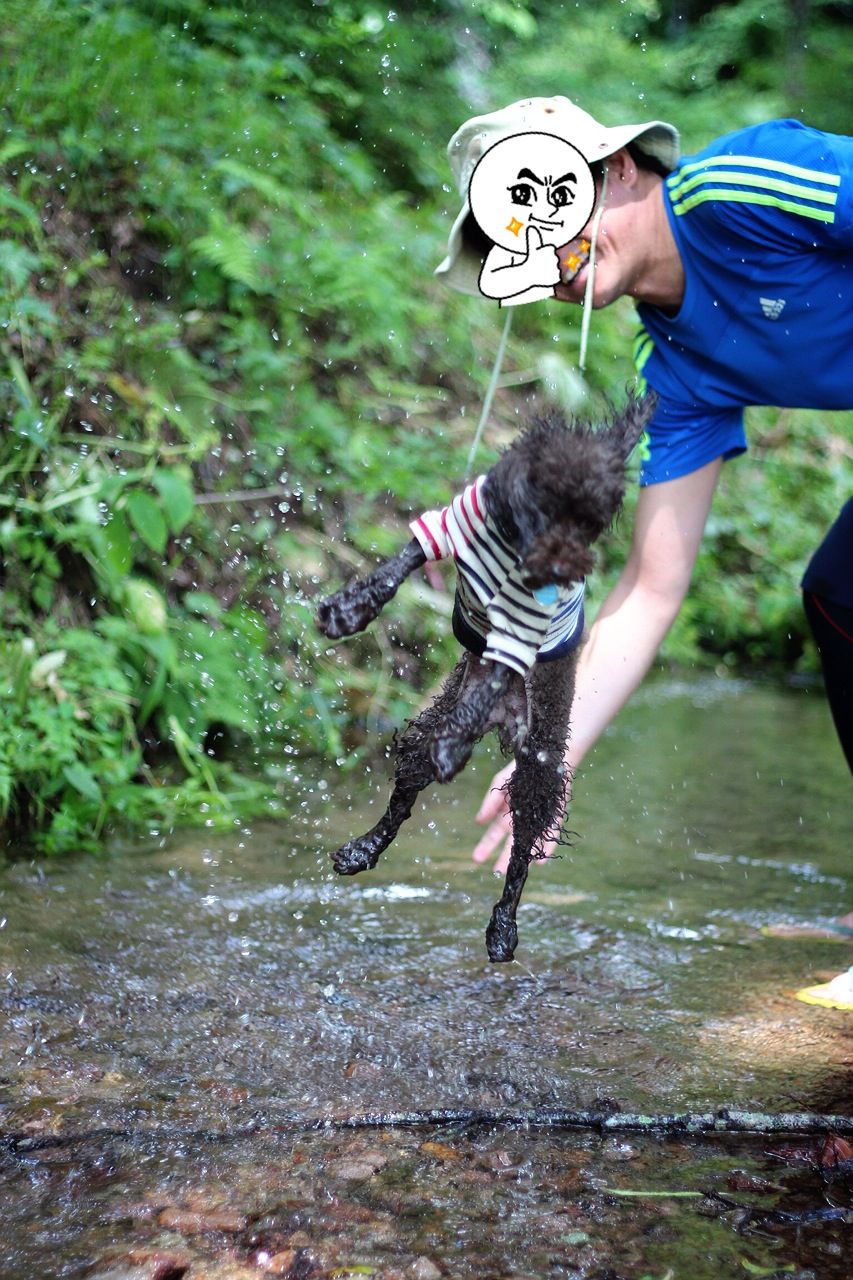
[[501, 935], [449, 754], [345, 613], [354, 856], [330, 618]]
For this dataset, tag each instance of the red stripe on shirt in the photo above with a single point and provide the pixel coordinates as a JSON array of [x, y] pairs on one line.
[[436, 549], [474, 503], [468, 520]]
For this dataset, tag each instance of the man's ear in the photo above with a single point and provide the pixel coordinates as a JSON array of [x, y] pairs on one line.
[[621, 169]]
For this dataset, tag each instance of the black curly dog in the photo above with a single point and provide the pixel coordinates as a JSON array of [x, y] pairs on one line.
[[551, 495]]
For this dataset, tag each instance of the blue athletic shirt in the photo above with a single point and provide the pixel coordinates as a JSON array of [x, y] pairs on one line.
[[763, 220]]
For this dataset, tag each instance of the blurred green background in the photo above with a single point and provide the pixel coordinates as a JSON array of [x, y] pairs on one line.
[[228, 375]]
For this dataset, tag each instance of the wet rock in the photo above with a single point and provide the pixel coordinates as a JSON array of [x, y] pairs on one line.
[[424, 1268], [566, 1184], [224, 1271], [189, 1222], [383, 1232], [275, 1264], [801, 1153], [439, 1151], [547, 1228], [202, 1200], [501, 1163], [136, 1211], [143, 1264], [48, 1155], [353, 1170], [660, 1231], [360, 1167], [740, 1180], [231, 1095], [298, 1256], [376, 1157], [122, 1272], [475, 1177], [299, 1240], [835, 1151], [357, 1069], [617, 1151], [342, 1212], [326, 1253], [295, 1264], [37, 1121], [575, 1238]]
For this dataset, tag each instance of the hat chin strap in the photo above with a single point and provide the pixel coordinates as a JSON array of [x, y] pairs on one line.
[[590, 275], [490, 393]]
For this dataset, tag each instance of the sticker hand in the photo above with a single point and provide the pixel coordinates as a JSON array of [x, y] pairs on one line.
[[543, 261]]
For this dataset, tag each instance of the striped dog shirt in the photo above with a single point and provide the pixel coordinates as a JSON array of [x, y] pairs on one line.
[[495, 615]]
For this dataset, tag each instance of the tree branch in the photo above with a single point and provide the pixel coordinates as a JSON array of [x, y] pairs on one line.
[[694, 1124]]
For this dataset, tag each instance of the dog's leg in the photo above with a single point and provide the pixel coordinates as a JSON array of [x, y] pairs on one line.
[[354, 606], [413, 771], [537, 791], [468, 720]]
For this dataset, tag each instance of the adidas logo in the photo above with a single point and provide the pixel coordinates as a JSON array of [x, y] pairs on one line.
[[772, 307]]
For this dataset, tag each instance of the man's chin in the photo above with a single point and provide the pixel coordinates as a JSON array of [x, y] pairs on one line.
[[574, 291]]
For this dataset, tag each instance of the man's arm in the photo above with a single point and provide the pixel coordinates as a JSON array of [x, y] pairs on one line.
[[629, 628]]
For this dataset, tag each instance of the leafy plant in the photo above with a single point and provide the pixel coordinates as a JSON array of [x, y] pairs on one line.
[[229, 378]]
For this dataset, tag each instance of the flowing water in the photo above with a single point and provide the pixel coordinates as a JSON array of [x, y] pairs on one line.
[[179, 1013]]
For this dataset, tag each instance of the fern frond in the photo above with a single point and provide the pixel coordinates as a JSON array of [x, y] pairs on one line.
[[228, 248]]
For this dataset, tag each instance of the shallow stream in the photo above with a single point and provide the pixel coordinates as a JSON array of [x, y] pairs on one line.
[[178, 1013]]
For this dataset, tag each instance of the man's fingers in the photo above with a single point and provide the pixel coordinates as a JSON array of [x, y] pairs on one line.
[[494, 804], [494, 801], [531, 243], [503, 861], [495, 811], [549, 848], [500, 829]]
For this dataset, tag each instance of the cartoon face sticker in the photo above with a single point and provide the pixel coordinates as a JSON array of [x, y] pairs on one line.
[[531, 180]]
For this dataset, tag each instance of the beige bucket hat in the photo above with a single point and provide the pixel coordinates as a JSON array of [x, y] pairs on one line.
[[461, 267]]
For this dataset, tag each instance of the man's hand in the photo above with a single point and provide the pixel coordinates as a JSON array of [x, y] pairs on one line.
[[495, 811], [627, 633]]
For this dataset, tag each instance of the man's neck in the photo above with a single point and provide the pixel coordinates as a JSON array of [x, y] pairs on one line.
[[661, 281]]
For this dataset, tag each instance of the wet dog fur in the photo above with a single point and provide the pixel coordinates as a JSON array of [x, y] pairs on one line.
[[554, 491]]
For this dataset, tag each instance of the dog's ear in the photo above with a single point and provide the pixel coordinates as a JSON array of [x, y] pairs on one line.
[[512, 501], [627, 428]]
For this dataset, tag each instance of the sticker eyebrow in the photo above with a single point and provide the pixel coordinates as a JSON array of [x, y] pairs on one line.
[[567, 177], [526, 173]]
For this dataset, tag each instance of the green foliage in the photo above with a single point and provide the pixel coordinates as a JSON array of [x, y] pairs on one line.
[[69, 739], [228, 375], [745, 603]]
